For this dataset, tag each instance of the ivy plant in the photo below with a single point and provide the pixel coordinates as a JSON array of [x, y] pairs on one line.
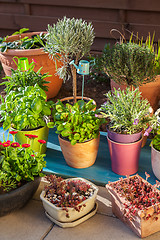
[[77, 123], [25, 109]]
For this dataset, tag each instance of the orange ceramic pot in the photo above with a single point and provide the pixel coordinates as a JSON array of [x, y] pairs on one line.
[[80, 155], [39, 56]]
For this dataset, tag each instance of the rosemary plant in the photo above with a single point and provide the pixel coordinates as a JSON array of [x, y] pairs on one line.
[[67, 40], [129, 63]]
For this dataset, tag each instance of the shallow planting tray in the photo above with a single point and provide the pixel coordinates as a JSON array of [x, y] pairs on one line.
[[76, 222]]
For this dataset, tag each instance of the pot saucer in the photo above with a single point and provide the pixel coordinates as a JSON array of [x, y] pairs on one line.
[[76, 222]]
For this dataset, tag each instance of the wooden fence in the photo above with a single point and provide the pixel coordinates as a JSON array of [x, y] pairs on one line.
[[142, 16]]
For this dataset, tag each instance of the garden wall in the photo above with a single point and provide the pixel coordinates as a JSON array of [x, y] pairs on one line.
[[140, 16]]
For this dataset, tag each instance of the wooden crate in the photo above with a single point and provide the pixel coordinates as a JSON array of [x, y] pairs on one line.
[[144, 222]]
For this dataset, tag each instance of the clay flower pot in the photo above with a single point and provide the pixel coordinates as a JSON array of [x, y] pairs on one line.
[[70, 100], [17, 198], [41, 58], [155, 160], [124, 156], [80, 155], [137, 204], [59, 214]]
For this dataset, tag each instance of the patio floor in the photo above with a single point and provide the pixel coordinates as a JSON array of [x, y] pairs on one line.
[[31, 223]]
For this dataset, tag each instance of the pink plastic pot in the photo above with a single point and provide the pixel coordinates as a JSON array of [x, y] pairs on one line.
[[124, 157]]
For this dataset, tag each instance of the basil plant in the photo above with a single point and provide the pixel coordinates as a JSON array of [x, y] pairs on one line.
[[77, 123], [26, 108]]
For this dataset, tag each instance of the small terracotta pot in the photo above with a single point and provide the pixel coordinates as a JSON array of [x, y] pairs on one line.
[[80, 155], [39, 56], [124, 157], [155, 160], [124, 138]]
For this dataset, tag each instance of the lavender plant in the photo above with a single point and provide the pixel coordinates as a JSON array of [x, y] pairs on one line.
[[67, 40], [128, 112]]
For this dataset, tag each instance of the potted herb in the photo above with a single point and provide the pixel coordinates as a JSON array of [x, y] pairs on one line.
[[128, 114], [68, 40], [133, 64], [23, 78], [78, 129], [26, 111], [68, 200], [137, 203], [20, 172], [30, 45], [155, 149]]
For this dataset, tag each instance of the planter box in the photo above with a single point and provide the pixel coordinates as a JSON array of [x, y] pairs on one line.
[[143, 222], [60, 215]]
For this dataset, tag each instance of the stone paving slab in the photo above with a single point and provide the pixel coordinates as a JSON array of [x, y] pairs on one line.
[[98, 227], [28, 223], [31, 223]]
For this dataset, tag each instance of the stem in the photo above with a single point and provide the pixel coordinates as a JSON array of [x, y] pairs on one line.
[[73, 70]]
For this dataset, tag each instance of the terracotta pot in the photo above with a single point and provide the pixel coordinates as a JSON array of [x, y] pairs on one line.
[[41, 132], [70, 100], [144, 222], [155, 160], [39, 56], [151, 91], [124, 138], [17, 198], [60, 215], [80, 155], [124, 156]]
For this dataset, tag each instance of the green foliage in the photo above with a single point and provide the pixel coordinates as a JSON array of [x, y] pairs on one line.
[[18, 166], [77, 123], [68, 39], [154, 48], [26, 78], [97, 72], [129, 63], [36, 41], [156, 140], [25, 109], [127, 111]]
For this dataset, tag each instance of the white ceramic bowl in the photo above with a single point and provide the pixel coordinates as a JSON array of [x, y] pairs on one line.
[[60, 215]]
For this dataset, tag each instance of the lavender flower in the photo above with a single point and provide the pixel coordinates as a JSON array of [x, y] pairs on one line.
[[147, 132], [136, 121]]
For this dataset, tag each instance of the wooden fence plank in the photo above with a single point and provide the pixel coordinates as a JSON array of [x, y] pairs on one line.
[[146, 5]]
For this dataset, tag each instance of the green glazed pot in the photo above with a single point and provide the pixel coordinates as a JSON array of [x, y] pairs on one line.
[[42, 133]]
